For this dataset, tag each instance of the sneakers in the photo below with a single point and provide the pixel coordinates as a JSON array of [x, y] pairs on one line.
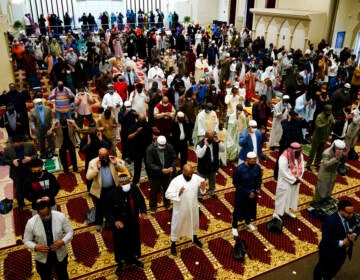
[[291, 215], [197, 242], [139, 264], [250, 227], [173, 249], [276, 216], [118, 270], [235, 232]]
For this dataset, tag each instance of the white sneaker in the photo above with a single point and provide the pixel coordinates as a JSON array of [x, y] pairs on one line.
[[276, 216], [235, 232], [250, 227], [291, 215]]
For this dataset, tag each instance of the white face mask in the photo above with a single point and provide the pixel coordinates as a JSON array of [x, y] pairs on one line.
[[253, 130], [126, 187], [156, 67]]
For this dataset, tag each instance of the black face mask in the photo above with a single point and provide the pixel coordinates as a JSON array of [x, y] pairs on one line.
[[187, 178], [11, 111], [37, 174], [104, 161], [210, 141], [63, 122], [251, 165], [60, 87]]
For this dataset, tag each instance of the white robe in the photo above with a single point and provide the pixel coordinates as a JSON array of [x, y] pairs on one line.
[[286, 196], [276, 128], [155, 75], [204, 122], [199, 69], [185, 217]]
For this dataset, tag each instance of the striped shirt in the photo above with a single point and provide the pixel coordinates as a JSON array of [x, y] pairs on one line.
[[62, 99]]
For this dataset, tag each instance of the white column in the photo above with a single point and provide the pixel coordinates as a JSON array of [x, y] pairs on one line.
[[7, 73]]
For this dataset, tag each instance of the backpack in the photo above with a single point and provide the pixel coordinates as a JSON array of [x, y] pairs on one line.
[[240, 250], [6, 205], [275, 226]]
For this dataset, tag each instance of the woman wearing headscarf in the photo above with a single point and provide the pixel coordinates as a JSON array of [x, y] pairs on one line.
[[291, 170]]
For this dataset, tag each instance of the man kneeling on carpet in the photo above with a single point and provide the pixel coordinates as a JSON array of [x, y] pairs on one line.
[[183, 191], [48, 234], [124, 205]]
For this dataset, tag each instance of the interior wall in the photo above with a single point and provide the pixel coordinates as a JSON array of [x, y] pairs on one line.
[[298, 37], [348, 20]]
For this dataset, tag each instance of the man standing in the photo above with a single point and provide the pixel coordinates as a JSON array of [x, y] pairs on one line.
[[291, 170], [161, 163], [164, 113], [156, 74], [13, 122], [251, 140], [103, 173], [64, 98], [40, 123], [18, 155], [332, 157], [247, 180], [139, 99], [339, 231], [323, 123], [207, 152], [83, 101], [124, 204], [140, 137], [206, 120], [66, 141], [41, 185], [48, 234], [183, 191], [179, 135]]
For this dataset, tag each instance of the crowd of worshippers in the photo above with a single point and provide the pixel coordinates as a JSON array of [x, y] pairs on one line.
[[161, 92]]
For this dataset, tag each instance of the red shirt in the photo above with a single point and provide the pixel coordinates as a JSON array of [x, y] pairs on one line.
[[121, 88]]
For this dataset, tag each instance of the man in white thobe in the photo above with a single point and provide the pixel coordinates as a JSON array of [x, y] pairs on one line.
[[200, 65], [206, 120], [155, 74], [183, 191]]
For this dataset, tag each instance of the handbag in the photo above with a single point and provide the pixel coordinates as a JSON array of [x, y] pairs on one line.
[[240, 250], [275, 226], [6, 205]]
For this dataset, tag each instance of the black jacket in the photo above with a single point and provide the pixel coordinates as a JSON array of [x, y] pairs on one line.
[[205, 165], [153, 162]]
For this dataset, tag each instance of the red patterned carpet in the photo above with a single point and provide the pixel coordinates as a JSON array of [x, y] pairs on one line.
[[91, 252]]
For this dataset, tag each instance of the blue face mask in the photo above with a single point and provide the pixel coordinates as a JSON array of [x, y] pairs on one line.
[[111, 92], [39, 106]]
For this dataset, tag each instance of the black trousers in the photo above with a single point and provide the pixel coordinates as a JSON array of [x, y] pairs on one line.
[[62, 153], [137, 168], [100, 205], [326, 268], [181, 148], [158, 185], [45, 269]]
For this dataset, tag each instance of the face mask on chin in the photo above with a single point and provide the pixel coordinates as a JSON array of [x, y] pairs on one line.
[[253, 130], [126, 187]]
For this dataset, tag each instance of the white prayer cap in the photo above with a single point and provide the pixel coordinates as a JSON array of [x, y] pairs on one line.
[[180, 114], [339, 144], [37, 100], [213, 42], [133, 58], [127, 103], [109, 85], [201, 55], [227, 55], [251, 155], [161, 140], [347, 85], [236, 85], [286, 97], [252, 123], [125, 54], [308, 51]]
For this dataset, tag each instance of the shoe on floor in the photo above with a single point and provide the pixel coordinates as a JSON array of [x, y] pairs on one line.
[[152, 213], [214, 196], [139, 263], [119, 270], [197, 242], [308, 168], [250, 227], [98, 228], [173, 249], [276, 216], [201, 200], [291, 215], [235, 232]]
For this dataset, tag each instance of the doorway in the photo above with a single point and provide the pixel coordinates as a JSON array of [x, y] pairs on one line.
[[248, 15], [232, 11]]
